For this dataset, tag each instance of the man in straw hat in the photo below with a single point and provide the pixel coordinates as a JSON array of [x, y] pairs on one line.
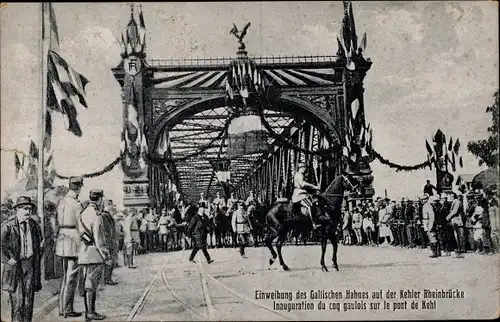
[[94, 252], [68, 244], [301, 197], [21, 251]]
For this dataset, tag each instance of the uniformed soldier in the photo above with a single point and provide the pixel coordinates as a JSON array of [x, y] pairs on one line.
[[68, 244], [231, 202], [111, 240], [204, 201], [219, 202], [300, 194], [93, 251], [428, 222], [130, 237], [241, 226]]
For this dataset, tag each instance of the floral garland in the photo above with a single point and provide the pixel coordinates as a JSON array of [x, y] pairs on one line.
[[399, 167], [106, 169]]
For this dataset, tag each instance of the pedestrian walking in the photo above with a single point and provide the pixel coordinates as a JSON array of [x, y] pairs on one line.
[[68, 245], [22, 248], [241, 226], [198, 231], [93, 254]]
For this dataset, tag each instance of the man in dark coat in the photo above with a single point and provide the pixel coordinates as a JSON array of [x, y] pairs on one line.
[[111, 240], [198, 230], [21, 253]]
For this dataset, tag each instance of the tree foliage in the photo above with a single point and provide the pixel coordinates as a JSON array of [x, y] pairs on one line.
[[487, 150]]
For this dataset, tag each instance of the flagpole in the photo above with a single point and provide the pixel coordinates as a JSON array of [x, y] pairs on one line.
[[45, 34]]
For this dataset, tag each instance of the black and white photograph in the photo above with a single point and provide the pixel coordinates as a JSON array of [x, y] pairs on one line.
[[262, 160]]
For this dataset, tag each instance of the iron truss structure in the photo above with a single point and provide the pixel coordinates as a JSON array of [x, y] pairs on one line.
[[176, 113]]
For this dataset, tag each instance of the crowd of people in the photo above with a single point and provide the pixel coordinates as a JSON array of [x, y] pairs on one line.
[[82, 241], [446, 223]]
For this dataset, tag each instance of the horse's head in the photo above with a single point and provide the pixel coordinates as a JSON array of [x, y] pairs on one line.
[[349, 182]]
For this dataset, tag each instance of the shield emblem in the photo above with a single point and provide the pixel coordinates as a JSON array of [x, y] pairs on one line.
[[132, 65]]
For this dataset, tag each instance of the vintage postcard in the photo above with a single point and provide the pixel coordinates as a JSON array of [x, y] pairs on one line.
[[329, 160]]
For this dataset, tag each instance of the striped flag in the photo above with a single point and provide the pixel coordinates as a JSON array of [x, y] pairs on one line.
[[17, 164], [456, 150], [65, 86]]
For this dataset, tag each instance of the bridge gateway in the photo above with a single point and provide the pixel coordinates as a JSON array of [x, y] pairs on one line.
[[175, 138]]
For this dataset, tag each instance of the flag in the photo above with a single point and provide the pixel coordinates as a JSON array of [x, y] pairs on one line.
[[163, 144], [49, 160], [54, 32], [363, 42], [456, 150], [47, 141], [430, 152], [63, 82], [33, 151], [17, 164]]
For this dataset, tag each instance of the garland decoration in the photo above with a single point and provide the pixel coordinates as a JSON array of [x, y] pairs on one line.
[[399, 167], [106, 169]]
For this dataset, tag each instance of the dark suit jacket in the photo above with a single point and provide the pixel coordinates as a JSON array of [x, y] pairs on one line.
[[11, 248]]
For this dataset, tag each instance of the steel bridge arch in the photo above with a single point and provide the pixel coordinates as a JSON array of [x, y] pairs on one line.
[[296, 106]]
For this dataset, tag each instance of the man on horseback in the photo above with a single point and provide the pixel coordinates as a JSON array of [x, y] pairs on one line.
[[218, 203], [301, 197]]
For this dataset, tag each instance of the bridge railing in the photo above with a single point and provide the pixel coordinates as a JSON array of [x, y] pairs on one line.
[[224, 61]]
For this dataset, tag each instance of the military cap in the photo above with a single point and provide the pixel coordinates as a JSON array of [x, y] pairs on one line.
[[283, 200], [301, 165], [96, 193], [108, 202], [132, 211], [241, 202], [76, 181]]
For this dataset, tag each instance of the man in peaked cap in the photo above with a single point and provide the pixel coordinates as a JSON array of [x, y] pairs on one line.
[[241, 226], [94, 252], [68, 244], [21, 252]]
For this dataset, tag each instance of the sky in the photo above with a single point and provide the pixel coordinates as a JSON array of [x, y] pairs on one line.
[[435, 65]]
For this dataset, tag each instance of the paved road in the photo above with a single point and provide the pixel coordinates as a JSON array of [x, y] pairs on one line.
[[168, 287]]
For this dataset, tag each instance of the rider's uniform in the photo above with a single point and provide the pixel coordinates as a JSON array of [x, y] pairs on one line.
[[219, 202], [251, 204], [300, 194], [206, 205], [231, 202]]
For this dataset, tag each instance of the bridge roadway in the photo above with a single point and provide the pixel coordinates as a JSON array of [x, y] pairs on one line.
[[165, 286]]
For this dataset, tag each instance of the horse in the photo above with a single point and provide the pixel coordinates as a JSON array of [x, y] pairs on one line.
[[327, 207], [257, 214], [221, 226]]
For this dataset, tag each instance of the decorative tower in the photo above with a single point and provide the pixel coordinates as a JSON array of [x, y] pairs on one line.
[[131, 73], [358, 136]]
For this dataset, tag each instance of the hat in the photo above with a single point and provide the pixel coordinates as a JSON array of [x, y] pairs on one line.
[[23, 200], [75, 182], [241, 202], [108, 202], [132, 211], [301, 165], [282, 200], [96, 193]]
